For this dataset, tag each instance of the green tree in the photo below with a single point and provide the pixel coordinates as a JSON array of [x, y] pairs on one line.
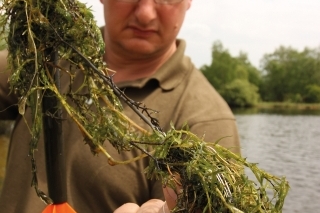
[[222, 67], [287, 74], [312, 93], [240, 93], [225, 71]]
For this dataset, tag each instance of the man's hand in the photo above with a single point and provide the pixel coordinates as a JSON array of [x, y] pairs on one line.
[[151, 206]]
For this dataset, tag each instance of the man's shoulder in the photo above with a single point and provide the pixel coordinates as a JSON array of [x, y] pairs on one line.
[[199, 93], [198, 83]]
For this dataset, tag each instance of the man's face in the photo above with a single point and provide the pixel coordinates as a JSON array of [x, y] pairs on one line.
[[144, 28]]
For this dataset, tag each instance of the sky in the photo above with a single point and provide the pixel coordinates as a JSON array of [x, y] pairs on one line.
[[256, 27]]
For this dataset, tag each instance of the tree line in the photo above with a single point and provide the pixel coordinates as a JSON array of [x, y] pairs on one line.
[[286, 75]]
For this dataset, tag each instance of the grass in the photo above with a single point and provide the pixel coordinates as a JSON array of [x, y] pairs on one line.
[[287, 105], [281, 108]]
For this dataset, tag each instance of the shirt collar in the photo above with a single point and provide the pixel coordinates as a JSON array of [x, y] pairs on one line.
[[170, 74]]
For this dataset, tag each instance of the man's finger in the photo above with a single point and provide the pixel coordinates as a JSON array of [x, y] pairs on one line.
[[127, 208], [170, 196], [152, 206]]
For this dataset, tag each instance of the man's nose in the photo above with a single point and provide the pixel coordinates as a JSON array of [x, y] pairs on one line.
[[146, 11]]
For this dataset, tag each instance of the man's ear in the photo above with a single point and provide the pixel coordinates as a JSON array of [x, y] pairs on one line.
[[189, 3]]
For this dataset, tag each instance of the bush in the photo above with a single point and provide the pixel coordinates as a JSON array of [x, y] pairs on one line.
[[312, 94], [240, 93]]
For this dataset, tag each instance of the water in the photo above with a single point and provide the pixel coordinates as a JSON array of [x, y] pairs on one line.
[[286, 145]]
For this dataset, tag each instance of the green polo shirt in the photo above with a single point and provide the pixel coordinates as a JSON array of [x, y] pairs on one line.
[[178, 91]]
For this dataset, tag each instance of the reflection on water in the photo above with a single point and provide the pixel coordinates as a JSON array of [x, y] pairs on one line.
[[286, 145]]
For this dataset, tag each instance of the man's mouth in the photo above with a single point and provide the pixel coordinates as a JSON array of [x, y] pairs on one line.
[[144, 33]]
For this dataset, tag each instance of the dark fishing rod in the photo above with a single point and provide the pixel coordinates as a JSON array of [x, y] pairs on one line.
[[52, 126]]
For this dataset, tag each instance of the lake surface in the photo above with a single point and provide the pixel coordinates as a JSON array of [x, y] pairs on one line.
[[286, 145], [283, 144]]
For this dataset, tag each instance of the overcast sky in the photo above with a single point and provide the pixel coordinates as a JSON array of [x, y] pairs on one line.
[[255, 27]]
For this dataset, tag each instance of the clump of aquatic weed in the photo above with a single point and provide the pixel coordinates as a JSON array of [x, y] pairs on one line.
[[208, 177]]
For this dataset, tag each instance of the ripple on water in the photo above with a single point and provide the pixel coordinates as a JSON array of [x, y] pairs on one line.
[[286, 145]]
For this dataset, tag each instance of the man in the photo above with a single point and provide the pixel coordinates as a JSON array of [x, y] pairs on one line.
[[141, 45]]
